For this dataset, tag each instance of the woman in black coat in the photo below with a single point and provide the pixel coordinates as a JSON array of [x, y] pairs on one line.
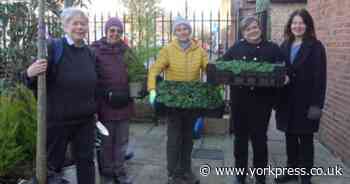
[[251, 106], [71, 86], [301, 101]]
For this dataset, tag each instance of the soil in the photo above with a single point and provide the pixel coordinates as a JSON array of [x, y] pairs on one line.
[[23, 170]]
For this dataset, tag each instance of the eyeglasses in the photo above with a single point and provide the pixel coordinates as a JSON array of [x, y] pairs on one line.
[[181, 29], [115, 30]]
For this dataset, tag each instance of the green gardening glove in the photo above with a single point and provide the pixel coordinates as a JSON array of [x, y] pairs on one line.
[[152, 97], [222, 93]]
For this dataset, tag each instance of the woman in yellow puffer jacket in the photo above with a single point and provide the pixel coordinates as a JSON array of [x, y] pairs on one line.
[[180, 60]]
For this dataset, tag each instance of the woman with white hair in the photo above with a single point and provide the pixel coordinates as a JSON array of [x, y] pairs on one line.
[[71, 84]]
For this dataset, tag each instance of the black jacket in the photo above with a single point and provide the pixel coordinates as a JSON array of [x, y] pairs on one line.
[[265, 51], [252, 104], [307, 88], [71, 86]]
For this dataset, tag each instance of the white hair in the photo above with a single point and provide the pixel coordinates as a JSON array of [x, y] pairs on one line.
[[68, 13]]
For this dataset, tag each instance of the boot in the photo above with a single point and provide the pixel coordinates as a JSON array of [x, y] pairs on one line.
[[305, 180], [175, 180], [239, 180], [286, 178], [190, 178], [123, 178], [260, 180], [107, 180]]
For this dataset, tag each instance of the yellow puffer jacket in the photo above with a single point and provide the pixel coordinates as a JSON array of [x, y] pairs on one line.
[[177, 64]]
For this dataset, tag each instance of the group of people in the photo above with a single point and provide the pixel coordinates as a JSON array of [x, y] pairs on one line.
[[85, 84], [90, 82]]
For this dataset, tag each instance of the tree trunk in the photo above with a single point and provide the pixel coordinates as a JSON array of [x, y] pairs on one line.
[[41, 161]]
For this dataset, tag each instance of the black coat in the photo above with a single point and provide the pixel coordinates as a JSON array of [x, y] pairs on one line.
[[307, 88], [71, 85], [252, 106]]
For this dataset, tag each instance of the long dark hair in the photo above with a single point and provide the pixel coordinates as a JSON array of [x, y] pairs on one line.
[[308, 21]]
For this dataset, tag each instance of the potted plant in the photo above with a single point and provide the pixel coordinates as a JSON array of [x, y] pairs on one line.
[[136, 74]]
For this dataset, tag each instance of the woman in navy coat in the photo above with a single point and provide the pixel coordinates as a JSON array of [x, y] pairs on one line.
[[302, 100]]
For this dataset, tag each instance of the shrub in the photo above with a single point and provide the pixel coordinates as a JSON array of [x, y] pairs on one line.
[[17, 128]]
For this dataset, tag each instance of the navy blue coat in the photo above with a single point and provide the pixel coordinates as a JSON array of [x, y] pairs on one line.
[[307, 88]]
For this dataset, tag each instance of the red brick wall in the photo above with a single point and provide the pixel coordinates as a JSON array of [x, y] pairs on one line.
[[333, 29]]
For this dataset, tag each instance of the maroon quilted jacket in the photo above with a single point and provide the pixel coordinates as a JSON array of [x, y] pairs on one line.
[[112, 74]]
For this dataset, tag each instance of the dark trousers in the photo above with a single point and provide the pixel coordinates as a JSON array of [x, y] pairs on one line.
[[300, 150], [113, 149], [82, 138], [180, 143], [251, 123]]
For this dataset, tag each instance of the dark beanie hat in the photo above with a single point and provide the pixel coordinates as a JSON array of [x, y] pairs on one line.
[[113, 21]]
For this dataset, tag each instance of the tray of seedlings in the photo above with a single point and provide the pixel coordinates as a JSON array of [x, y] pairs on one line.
[[246, 73], [201, 98]]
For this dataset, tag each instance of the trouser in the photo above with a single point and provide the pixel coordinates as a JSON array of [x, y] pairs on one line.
[[252, 123], [82, 138], [300, 151], [111, 155], [180, 143]]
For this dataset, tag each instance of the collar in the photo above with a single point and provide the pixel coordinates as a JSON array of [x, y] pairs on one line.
[[70, 41]]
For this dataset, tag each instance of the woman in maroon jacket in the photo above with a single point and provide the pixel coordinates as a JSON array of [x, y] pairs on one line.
[[115, 107]]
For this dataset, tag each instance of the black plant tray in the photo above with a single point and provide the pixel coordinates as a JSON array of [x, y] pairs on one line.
[[273, 79], [162, 110]]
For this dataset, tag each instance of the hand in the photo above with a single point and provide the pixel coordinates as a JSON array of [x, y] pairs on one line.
[[152, 97], [286, 80], [222, 93], [314, 113], [37, 68]]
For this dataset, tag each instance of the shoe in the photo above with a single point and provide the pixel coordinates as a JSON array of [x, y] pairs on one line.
[[260, 182], [123, 178], [175, 180], [56, 178], [286, 178], [237, 180], [305, 181], [107, 180], [190, 178]]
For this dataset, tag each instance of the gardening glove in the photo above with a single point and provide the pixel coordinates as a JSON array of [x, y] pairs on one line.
[[152, 97], [222, 93], [314, 113]]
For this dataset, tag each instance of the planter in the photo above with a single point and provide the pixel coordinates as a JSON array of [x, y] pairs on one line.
[[195, 97], [257, 79], [135, 89], [215, 77]]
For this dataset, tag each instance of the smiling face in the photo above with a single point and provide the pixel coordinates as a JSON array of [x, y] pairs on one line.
[[298, 27], [76, 28], [114, 34], [252, 33], [182, 32]]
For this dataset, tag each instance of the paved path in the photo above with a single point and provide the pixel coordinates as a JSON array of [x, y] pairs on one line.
[[149, 166]]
